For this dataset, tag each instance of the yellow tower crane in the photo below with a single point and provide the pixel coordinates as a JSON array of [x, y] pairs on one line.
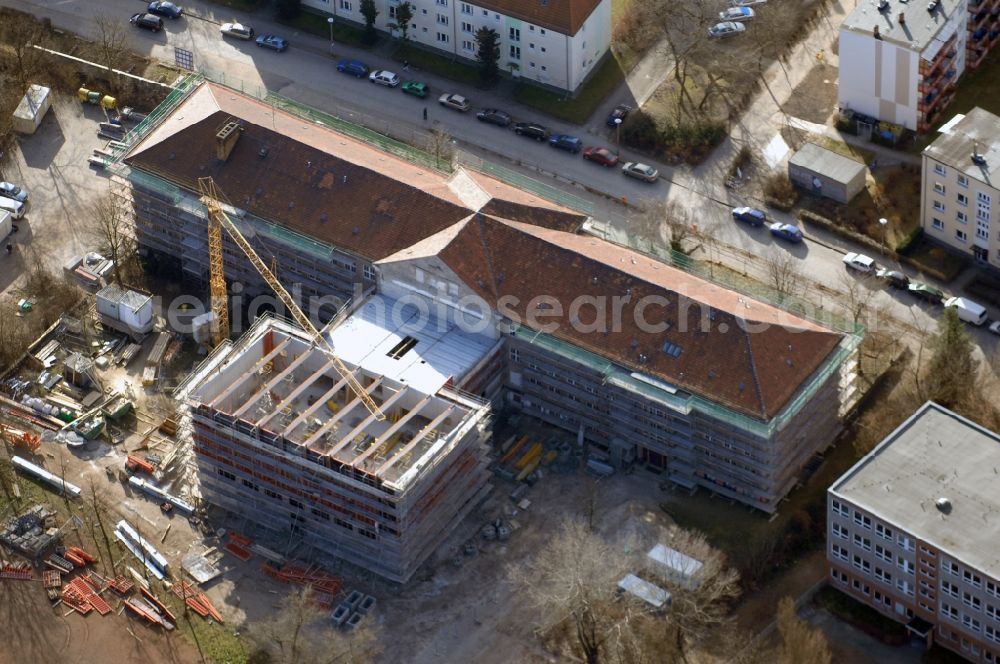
[[217, 220]]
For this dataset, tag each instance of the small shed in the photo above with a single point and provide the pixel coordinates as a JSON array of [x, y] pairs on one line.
[[825, 173], [675, 566], [648, 592], [126, 310], [32, 109]]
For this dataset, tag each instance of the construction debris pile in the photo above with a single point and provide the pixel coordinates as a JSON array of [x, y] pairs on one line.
[[31, 533]]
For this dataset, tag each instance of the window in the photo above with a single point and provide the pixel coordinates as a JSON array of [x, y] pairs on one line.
[[467, 45], [443, 38], [939, 206], [861, 564], [982, 229], [960, 236], [862, 520], [485, 13], [949, 611], [906, 566], [992, 634], [961, 217], [839, 552], [543, 49], [939, 169], [840, 531], [938, 224], [949, 588], [532, 46], [905, 587], [225, 473], [972, 579], [971, 601], [542, 31], [515, 34], [346, 5], [883, 532], [294, 503], [983, 197], [962, 199], [466, 8], [992, 612], [531, 64], [467, 27], [392, 11], [963, 181], [938, 188], [544, 68], [971, 623], [369, 272], [840, 508], [927, 552], [862, 542], [442, 3], [515, 52], [883, 553], [883, 576], [442, 19], [907, 543], [992, 588], [272, 494], [250, 485]]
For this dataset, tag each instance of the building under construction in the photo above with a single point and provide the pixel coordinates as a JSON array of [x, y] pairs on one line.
[[282, 440]]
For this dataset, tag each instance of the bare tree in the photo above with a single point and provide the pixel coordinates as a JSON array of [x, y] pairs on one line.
[[20, 36], [658, 216], [299, 633], [801, 643], [101, 511], [112, 43], [442, 146], [110, 226], [783, 273]]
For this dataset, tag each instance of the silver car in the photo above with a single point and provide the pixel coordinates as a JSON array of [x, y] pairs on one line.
[[11, 190], [237, 30], [383, 77], [726, 29], [455, 102], [640, 171]]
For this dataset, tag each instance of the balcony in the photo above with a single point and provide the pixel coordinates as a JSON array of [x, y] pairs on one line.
[[978, 35]]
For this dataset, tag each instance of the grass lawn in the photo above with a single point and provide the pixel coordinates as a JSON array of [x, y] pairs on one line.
[[317, 25], [437, 64], [600, 85]]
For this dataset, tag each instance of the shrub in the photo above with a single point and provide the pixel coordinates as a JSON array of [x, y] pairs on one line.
[[780, 187], [903, 245]]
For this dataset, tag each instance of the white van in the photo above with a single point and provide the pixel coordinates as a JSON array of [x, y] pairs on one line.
[[967, 310], [16, 208]]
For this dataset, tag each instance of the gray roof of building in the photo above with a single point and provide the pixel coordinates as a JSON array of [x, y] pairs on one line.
[[919, 28], [935, 454], [979, 130], [828, 163]]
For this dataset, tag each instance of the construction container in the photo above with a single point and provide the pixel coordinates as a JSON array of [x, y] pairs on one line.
[[32, 109], [108, 102], [82, 94], [126, 310]]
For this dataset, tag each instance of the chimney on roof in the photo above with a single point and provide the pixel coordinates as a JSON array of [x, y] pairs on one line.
[[902, 18], [977, 158], [875, 33], [225, 140]]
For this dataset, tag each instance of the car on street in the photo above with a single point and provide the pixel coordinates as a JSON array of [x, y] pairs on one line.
[[166, 9], [640, 171], [925, 292], [859, 262], [147, 22], [384, 77], [726, 29], [454, 102], [415, 88], [237, 31], [620, 112], [531, 130], [602, 156], [355, 68], [736, 14], [749, 215], [994, 327], [787, 232], [494, 116], [894, 278], [746, 3], [11, 190], [566, 142], [273, 42]]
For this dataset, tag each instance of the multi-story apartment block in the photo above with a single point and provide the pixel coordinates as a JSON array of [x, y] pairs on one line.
[[462, 285], [912, 531], [900, 61], [552, 42], [960, 187]]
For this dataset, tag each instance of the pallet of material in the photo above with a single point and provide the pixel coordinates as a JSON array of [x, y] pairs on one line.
[[75, 559], [58, 562], [121, 585], [88, 558], [198, 601], [512, 452], [239, 539], [144, 610], [89, 596], [20, 571], [158, 605], [51, 578], [534, 452], [73, 599], [237, 550]]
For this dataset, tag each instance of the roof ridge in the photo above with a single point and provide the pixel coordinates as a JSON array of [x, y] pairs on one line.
[[753, 371], [487, 252]]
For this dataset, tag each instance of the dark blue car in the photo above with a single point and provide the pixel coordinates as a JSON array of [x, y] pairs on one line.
[[168, 9], [355, 68], [274, 42], [566, 142], [749, 215], [786, 232], [620, 113]]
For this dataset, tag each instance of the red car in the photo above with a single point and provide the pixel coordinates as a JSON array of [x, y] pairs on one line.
[[602, 156]]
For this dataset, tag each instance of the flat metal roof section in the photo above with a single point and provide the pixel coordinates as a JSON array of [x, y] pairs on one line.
[[978, 131], [375, 338], [677, 565], [274, 378], [934, 456], [828, 163], [918, 29], [648, 592]]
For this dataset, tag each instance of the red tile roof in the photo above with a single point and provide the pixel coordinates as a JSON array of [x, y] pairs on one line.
[[565, 16], [745, 354], [319, 182]]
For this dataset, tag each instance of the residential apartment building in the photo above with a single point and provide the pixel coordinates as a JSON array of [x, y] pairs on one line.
[[900, 61], [552, 42], [460, 276], [960, 187], [912, 531]]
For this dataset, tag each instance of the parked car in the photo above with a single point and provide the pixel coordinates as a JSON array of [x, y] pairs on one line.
[[620, 112], [11, 190], [994, 327], [925, 292], [384, 77], [602, 156], [150, 22], [736, 14], [859, 262], [531, 130], [273, 42], [787, 232], [167, 9], [746, 3], [894, 278], [416, 88], [566, 142], [237, 31], [640, 171], [494, 116], [726, 29], [749, 215], [355, 68], [969, 311], [454, 102]]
